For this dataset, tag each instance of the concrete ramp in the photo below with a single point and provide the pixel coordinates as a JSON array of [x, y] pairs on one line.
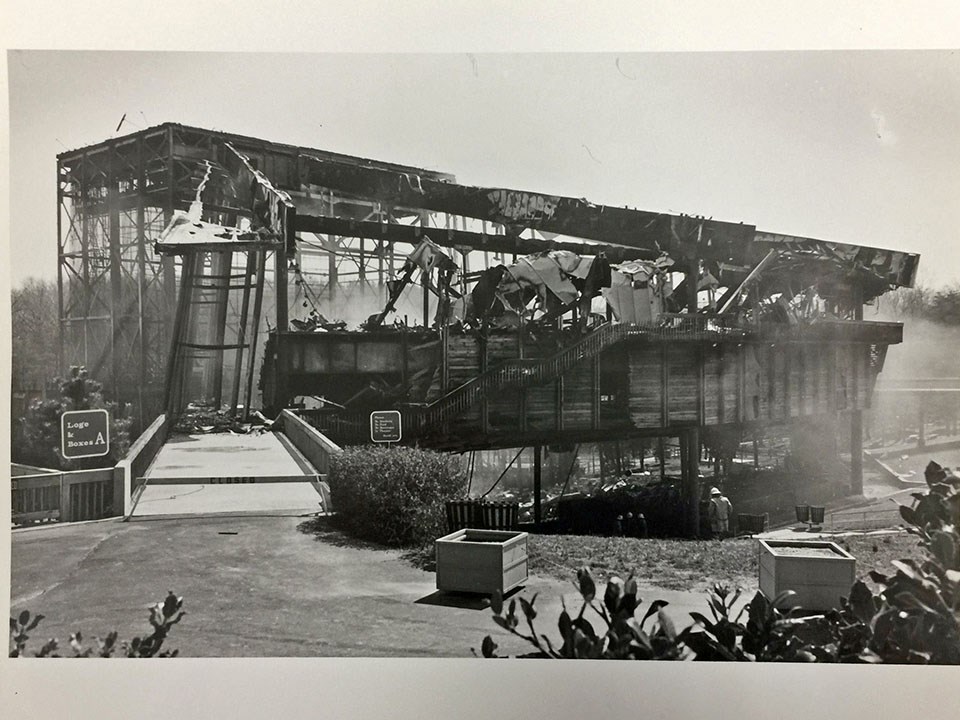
[[226, 473]]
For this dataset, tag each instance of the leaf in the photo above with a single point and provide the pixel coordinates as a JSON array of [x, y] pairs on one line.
[[565, 625], [24, 617], [716, 608], [667, 625], [582, 625], [613, 594], [879, 577], [582, 645], [781, 598], [36, 621], [912, 602], [705, 647], [496, 602], [13, 625], [908, 568], [638, 634], [528, 612], [726, 634], [489, 647], [702, 621], [588, 588], [944, 547], [909, 515], [934, 473], [654, 608], [862, 602], [549, 644]]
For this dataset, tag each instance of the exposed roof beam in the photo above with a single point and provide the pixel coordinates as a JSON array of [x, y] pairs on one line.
[[458, 239], [518, 209]]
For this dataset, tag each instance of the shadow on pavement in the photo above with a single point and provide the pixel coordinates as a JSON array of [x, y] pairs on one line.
[[324, 529], [464, 601]]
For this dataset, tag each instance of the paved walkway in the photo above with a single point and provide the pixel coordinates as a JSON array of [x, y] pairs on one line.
[[263, 587], [216, 457]]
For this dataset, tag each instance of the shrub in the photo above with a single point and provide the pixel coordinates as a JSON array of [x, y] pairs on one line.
[[394, 496], [39, 439], [163, 616]]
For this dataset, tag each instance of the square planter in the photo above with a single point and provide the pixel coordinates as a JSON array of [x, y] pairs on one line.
[[819, 571], [481, 561]]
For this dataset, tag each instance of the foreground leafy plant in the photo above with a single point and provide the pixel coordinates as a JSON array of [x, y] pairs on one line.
[[163, 616], [625, 638], [914, 618]]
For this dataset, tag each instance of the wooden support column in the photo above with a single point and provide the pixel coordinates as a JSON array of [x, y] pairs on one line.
[[662, 455], [690, 462], [921, 421], [856, 453], [856, 417], [280, 282], [537, 483]]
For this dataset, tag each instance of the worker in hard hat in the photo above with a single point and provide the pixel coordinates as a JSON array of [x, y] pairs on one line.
[[720, 511]]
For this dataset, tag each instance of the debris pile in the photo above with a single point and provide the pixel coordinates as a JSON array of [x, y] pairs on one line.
[[202, 419]]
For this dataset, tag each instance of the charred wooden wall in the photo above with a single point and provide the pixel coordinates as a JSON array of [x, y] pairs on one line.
[[651, 387]]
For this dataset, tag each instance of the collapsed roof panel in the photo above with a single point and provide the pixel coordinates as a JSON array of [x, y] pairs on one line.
[[186, 232]]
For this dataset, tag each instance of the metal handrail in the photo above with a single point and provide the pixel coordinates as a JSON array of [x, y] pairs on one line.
[[521, 372]]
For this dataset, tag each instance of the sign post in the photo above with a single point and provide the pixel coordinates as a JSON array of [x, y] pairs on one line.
[[385, 426], [85, 433]]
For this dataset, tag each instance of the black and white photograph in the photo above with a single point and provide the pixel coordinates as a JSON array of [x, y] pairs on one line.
[[546, 355]]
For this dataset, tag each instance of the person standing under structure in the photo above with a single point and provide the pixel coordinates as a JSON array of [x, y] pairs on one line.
[[720, 511]]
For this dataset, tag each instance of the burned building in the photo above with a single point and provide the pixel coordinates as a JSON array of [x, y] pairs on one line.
[[199, 266]]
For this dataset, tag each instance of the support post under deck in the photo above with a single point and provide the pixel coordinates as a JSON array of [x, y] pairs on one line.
[[856, 417], [537, 482], [690, 471], [856, 452]]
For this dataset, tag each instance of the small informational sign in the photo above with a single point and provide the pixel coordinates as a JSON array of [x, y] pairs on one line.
[[385, 426], [85, 433]]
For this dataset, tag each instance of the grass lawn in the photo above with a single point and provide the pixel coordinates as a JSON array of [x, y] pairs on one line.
[[690, 564]]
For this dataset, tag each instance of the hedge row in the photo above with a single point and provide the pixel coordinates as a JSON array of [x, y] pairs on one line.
[[394, 495]]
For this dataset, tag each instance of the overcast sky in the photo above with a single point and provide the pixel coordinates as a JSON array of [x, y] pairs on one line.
[[858, 147]]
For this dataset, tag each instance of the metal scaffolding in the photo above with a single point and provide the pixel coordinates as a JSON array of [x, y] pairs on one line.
[[117, 295]]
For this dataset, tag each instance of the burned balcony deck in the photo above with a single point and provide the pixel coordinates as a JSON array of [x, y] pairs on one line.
[[466, 391]]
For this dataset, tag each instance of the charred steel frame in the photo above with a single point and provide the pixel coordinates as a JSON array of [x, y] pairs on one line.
[[117, 296]]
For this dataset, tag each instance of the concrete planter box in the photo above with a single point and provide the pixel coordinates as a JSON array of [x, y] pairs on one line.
[[820, 572], [481, 561]]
